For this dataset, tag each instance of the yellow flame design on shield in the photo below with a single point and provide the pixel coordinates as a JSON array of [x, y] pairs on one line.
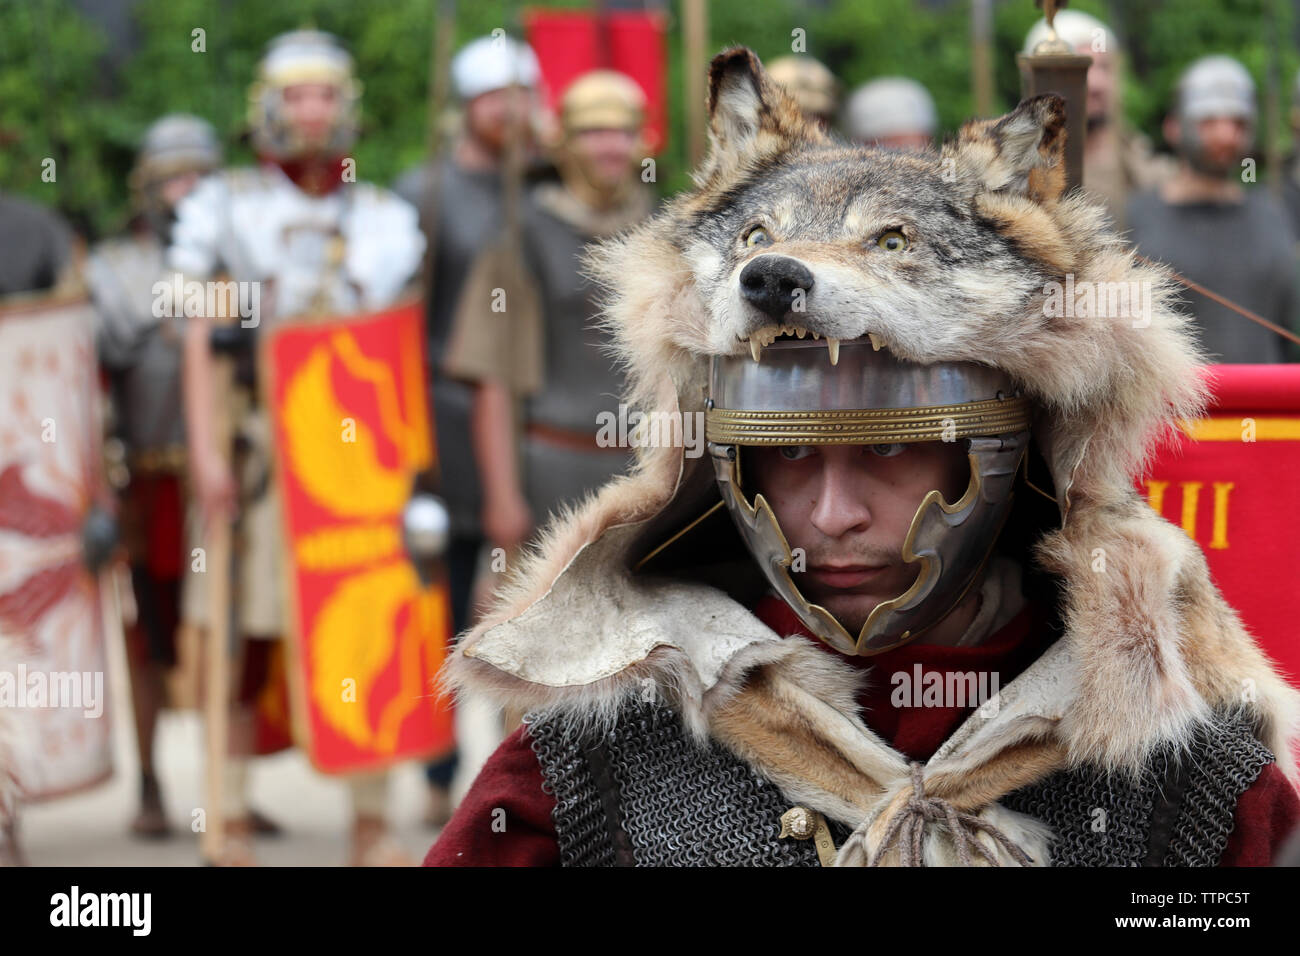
[[334, 457]]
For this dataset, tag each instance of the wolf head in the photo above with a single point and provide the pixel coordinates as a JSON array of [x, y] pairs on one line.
[[967, 254]]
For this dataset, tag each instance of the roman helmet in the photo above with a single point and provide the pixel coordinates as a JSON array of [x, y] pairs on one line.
[[489, 63], [302, 56], [602, 99], [800, 390], [888, 107], [811, 84], [173, 145], [1213, 86], [1076, 29]]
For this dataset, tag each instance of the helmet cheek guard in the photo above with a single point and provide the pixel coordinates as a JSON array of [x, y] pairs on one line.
[[796, 397]]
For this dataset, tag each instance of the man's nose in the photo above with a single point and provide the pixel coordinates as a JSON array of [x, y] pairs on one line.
[[840, 506], [769, 282]]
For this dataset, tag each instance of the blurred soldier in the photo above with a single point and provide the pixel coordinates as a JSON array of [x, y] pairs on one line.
[[1116, 160], [1234, 241], [813, 86], [490, 77], [36, 248], [316, 242], [142, 355], [893, 112], [525, 328]]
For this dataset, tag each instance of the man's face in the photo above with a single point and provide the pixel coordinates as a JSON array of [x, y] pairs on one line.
[[488, 116], [1224, 140], [176, 188], [1103, 85], [849, 507], [311, 110], [605, 155]]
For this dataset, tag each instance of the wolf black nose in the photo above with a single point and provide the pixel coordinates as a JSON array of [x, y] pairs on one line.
[[769, 283]]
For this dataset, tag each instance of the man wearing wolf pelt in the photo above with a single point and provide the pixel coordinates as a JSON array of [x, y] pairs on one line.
[[928, 475]]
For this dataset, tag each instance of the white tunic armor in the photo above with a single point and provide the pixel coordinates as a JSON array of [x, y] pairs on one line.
[[351, 250]]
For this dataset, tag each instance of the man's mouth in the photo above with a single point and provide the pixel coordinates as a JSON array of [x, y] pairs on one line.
[[846, 576]]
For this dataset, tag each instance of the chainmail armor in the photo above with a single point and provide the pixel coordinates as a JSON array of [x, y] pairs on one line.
[[677, 804], [644, 794], [1180, 813]]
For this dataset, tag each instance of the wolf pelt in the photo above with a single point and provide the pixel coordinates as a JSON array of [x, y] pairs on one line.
[[988, 227]]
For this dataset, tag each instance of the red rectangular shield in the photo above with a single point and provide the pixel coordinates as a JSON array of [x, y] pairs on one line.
[[351, 426], [1231, 482]]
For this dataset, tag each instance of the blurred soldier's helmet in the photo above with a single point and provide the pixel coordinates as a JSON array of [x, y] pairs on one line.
[[493, 63], [602, 99], [173, 145], [1079, 30], [1216, 86], [890, 106], [811, 84], [302, 56]]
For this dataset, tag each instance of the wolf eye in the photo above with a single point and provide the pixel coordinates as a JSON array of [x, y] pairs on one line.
[[757, 237], [893, 241], [795, 452], [890, 450]]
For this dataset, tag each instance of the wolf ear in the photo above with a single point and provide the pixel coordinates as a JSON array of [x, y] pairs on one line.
[[749, 113], [1023, 152]]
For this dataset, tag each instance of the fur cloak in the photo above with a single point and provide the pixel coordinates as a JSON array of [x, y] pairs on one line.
[[1150, 649]]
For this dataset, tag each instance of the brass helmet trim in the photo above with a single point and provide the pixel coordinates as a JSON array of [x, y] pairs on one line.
[[951, 542]]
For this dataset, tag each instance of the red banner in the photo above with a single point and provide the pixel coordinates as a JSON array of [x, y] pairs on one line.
[[352, 428], [1232, 483], [569, 43]]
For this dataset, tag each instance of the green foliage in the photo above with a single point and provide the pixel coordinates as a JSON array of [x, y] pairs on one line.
[[65, 95]]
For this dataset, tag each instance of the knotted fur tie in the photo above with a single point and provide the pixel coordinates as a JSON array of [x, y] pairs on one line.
[[907, 829]]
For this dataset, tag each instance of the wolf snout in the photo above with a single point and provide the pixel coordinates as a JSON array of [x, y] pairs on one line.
[[771, 284]]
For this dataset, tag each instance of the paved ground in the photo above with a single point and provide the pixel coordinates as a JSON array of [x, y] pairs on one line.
[[91, 829]]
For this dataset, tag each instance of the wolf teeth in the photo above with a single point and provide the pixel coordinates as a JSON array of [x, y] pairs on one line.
[[876, 343], [833, 346], [761, 338]]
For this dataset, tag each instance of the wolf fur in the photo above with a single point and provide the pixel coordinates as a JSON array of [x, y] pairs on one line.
[[1150, 646]]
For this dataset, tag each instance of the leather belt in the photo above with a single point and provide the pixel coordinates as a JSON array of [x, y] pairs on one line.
[[569, 439]]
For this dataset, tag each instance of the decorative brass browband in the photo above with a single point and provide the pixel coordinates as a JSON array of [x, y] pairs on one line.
[[993, 416]]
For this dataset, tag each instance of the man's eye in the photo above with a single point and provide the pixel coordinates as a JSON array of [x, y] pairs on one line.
[[888, 451], [795, 452]]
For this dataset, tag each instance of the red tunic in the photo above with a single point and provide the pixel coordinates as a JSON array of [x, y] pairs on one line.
[[524, 835]]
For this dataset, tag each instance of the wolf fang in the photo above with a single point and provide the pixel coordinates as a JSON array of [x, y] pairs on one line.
[[93, 909], [1105, 300]]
